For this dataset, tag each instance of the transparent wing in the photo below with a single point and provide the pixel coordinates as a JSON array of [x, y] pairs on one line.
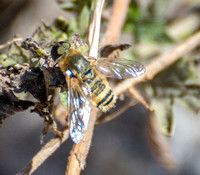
[[119, 68], [78, 112]]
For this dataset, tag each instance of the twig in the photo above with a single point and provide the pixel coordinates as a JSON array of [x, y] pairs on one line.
[[79, 152], [136, 94], [156, 141], [15, 39], [114, 27], [161, 63], [108, 117], [153, 68], [116, 20], [94, 28], [47, 150]]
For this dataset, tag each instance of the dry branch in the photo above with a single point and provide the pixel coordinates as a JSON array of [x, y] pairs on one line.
[[8, 43], [110, 116], [47, 150], [116, 20], [160, 63], [79, 152], [135, 94], [156, 140]]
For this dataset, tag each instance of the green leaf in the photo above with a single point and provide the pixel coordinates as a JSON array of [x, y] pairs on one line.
[[67, 6], [84, 20], [63, 98], [145, 25], [5, 60], [189, 102], [175, 76], [73, 26], [74, 5], [164, 114]]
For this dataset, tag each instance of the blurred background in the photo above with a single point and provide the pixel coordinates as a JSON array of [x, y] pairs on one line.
[[119, 146]]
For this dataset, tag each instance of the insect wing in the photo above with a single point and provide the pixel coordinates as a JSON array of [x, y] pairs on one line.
[[119, 68], [79, 115]]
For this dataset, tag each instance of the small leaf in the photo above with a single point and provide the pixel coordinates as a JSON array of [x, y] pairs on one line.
[[73, 26], [191, 103], [164, 114], [63, 98], [5, 60], [84, 20], [73, 5], [67, 6]]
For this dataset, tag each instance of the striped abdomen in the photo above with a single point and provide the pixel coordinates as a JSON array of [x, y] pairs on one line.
[[102, 94]]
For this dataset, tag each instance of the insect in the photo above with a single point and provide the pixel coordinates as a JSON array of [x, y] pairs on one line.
[[85, 79]]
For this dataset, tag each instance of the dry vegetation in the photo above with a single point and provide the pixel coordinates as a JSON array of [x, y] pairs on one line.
[[158, 62]]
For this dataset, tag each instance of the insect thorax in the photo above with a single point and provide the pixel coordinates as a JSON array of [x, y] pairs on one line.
[[76, 62]]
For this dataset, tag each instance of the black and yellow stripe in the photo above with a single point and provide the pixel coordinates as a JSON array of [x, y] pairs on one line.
[[102, 94]]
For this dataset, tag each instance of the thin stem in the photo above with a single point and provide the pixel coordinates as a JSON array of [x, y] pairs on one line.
[[154, 67], [15, 39], [136, 94], [47, 150], [116, 20], [94, 28], [162, 62], [79, 152], [108, 117]]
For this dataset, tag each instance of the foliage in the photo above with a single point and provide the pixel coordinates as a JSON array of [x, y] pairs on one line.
[[179, 82], [74, 5], [149, 31], [145, 26]]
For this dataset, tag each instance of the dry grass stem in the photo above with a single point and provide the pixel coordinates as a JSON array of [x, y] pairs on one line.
[[47, 150], [94, 28], [160, 63], [79, 152], [116, 20]]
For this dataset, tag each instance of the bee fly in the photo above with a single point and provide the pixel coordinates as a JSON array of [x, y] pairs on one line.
[[85, 78]]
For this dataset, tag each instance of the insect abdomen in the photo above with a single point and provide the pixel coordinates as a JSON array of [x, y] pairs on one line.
[[102, 94]]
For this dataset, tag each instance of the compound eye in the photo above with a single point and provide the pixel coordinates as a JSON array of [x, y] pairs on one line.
[[59, 49]]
